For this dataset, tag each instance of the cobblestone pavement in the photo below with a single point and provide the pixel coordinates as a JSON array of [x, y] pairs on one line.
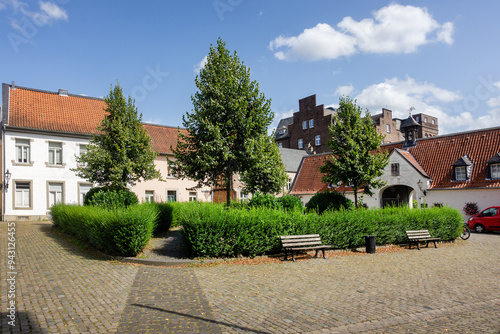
[[63, 288]]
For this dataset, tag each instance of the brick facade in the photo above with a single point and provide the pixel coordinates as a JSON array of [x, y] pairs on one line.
[[429, 125]]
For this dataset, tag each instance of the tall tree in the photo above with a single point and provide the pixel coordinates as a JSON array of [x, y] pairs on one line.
[[228, 114], [356, 159], [266, 172], [120, 154]]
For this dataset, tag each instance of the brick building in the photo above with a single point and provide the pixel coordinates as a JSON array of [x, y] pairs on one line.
[[307, 129]]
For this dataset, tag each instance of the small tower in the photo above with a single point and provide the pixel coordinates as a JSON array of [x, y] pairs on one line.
[[409, 127]]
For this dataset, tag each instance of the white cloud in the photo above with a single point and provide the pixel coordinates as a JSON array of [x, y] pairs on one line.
[[399, 95], [393, 29], [53, 11], [320, 42], [494, 101], [47, 14], [344, 90], [200, 65]]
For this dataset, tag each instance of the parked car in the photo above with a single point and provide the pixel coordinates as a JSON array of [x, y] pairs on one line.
[[486, 220]]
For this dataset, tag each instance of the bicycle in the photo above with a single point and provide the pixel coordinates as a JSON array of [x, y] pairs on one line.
[[465, 232]]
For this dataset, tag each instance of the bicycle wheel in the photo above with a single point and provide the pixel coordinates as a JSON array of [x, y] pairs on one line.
[[465, 233]]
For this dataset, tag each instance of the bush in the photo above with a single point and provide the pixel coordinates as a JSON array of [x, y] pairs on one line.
[[218, 231], [290, 203], [264, 200], [108, 197], [121, 231], [165, 216], [328, 200]]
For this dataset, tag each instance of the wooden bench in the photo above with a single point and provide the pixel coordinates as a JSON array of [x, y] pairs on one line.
[[302, 242], [421, 236]]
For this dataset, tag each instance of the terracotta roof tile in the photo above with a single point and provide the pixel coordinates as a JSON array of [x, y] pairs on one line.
[[42, 110], [432, 156]]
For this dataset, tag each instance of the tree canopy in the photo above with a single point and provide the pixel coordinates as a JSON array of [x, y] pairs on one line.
[[356, 159], [227, 128], [120, 154]]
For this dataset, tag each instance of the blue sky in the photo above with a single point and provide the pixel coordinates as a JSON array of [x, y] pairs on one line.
[[440, 57]]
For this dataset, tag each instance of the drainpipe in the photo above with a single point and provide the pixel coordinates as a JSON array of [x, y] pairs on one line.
[[3, 172]]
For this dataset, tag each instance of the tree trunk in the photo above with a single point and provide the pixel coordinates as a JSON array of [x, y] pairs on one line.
[[355, 197], [229, 187]]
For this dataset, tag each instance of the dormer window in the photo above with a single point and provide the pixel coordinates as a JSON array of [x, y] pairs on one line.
[[493, 168], [282, 131], [462, 169]]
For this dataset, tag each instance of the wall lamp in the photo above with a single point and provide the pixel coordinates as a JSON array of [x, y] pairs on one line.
[[7, 176], [420, 186]]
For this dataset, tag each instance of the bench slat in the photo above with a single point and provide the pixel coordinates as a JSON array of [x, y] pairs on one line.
[[302, 242], [298, 244], [314, 247], [299, 236]]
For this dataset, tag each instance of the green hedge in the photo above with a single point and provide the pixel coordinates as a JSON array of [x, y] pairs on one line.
[[121, 231], [218, 231]]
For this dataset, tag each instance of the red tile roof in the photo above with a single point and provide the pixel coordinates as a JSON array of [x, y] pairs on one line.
[[432, 156], [43, 110]]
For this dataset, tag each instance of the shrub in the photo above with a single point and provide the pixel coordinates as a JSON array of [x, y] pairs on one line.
[[328, 200], [264, 200], [121, 231], [110, 198], [218, 231], [165, 216], [290, 203]]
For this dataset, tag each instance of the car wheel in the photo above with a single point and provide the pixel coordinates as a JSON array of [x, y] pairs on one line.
[[479, 228]]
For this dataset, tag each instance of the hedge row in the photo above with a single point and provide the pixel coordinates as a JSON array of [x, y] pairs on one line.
[[218, 231], [120, 231]]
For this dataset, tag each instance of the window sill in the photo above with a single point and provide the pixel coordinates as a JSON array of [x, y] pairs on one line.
[[54, 166], [22, 163]]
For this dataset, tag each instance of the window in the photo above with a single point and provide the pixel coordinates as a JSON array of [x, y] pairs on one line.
[[495, 171], [417, 118], [55, 153], [23, 195], [460, 173], [311, 123], [282, 131], [491, 212], [433, 121], [280, 145], [395, 169], [171, 196], [425, 119], [23, 151], [55, 193], [304, 125], [243, 196], [192, 196], [317, 140], [150, 196], [84, 189], [301, 143], [83, 150], [388, 128], [289, 184], [170, 167]]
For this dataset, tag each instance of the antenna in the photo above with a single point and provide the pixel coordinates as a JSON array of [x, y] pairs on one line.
[[411, 109]]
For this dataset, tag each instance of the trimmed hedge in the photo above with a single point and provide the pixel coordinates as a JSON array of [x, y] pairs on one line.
[[218, 231], [110, 198], [120, 232], [327, 201]]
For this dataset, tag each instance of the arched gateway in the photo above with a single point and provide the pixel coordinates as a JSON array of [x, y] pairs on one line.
[[398, 195]]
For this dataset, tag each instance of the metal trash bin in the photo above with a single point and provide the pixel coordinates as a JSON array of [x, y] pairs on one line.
[[370, 244]]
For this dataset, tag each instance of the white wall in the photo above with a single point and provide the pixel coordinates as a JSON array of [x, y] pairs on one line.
[[40, 174]]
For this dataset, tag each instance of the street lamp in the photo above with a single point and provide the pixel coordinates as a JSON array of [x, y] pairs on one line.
[[6, 179]]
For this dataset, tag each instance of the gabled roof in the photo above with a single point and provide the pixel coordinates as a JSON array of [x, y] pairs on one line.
[[34, 109], [292, 158], [283, 125], [432, 156]]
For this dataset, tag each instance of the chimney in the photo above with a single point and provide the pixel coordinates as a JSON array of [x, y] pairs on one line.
[[13, 84], [63, 92]]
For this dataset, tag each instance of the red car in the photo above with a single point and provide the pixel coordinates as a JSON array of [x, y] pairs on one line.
[[486, 220]]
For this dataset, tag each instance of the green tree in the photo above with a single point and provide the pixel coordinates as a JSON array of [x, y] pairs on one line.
[[229, 114], [120, 154], [266, 172], [356, 159]]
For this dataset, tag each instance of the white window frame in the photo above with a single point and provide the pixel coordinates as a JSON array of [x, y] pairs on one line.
[[280, 145], [243, 195], [282, 131], [289, 184], [25, 195], [388, 128], [300, 143], [425, 119], [304, 125], [433, 122], [311, 123], [495, 171], [83, 189], [55, 193], [461, 173], [149, 196], [193, 196], [82, 149], [171, 195], [23, 150], [55, 153], [317, 140]]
